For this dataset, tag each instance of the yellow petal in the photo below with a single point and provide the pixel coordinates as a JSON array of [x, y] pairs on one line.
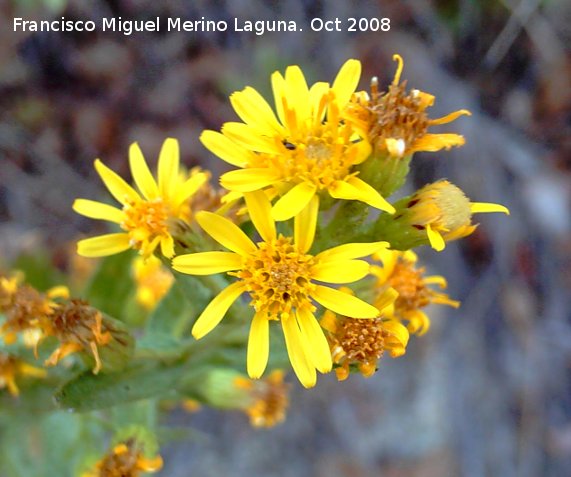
[[189, 187], [168, 167], [350, 251], [419, 323], [225, 232], [141, 173], [450, 117], [318, 349], [387, 298], [316, 94], [167, 246], [436, 142], [436, 280], [279, 89], [294, 200], [97, 210], [389, 259], [360, 150], [343, 190], [103, 245], [59, 291], [329, 321], [249, 138], [304, 225], [398, 330], [298, 92], [248, 180], [304, 370], [370, 196], [343, 303], [258, 346], [150, 465], [260, 211], [115, 184], [340, 271], [216, 309], [485, 207], [207, 263], [255, 111], [435, 239], [226, 149], [346, 81]]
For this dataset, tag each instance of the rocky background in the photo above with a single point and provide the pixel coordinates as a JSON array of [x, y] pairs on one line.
[[488, 391]]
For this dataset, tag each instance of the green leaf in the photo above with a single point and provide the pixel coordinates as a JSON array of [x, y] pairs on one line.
[[88, 392], [180, 307]]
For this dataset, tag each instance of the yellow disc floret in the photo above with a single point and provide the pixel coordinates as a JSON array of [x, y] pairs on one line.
[[146, 222], [277, 276]]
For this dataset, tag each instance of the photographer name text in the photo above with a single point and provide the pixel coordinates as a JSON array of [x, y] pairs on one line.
[[259, 27]]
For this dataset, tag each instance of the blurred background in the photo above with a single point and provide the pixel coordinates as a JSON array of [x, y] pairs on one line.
[[487, 392]]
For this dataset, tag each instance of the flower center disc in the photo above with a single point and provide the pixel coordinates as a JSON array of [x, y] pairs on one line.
[[315, 150], [277, 277], [146, 220]]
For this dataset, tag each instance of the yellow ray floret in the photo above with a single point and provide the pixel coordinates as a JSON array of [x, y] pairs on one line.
[[302, 150], [147, 216], [280, 277]]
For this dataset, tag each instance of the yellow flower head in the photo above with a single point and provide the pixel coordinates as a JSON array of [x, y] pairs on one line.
[[25, 309], [153, 281], [148, 217], [279, 275], [361, 343], [12, 367], [125, 460], [304, 151], [399, 271], [268, 399], [397, 122], [444, 211]]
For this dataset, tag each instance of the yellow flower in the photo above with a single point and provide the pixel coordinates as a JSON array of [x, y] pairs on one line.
[[399, 271], [278, 273], [361, 343], [303, 152], [268, 399], [11, 367], [444, 212], [149, 217], [125, 460], [153, 281], [397, 122]]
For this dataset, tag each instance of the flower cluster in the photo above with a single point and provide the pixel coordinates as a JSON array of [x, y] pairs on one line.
[[312, 177], [36, 316]]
